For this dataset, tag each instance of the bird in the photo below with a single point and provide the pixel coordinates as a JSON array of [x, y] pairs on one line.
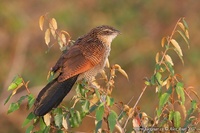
[[84, 60]]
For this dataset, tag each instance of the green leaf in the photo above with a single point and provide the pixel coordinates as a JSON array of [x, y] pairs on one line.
[[152, 80], [158, 77], [42, 124], [194, 104], [112, 120], [185, 24], [13, 107], [177, 119], [180, 92], [170, 67], [97, 93], [85, 106], [15, 83], [28, 119], [78, 117], [21, 99], [98, 125], [29, 129], [171, 115], [58, 117], [8, 98], [109, 100], [31, 100], [12, 86], [158, 112], [100, 112], [163, 99]]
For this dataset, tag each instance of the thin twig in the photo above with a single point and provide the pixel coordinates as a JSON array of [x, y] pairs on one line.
[[131, 114]]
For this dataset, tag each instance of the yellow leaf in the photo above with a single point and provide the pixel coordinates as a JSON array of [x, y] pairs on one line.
[[53, 32], [47, 119], [169, 59], [65, 123], [41, 22], [47, 36], [103, 74], [176, 45], [107, 63], [181, 26], [187, 34], [118, 67], [60, 42], [53, 24], [157, 57], [163, 41], [63, 38], [65, 32]]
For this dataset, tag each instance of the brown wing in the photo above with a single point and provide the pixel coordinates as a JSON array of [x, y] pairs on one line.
[[74, 62]]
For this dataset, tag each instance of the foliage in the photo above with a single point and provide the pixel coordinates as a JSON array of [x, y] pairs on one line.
[[171, 113]]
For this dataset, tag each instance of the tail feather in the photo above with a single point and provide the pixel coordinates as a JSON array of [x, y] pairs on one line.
[[52, 95]]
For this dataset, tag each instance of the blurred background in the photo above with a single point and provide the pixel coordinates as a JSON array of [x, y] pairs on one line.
[[142, 23]]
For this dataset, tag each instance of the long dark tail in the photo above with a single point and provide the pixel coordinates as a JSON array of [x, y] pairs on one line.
[[52, 95]]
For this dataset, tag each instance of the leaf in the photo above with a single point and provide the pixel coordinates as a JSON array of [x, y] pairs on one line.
[[180, 92], [60, 42], [47, 119], [184, 37], [100, 112], [78, 116], [169, 59], [181, 57], [171, 115], [163, 99], [171, 69], [29, 129], [98, 125], [42, 124], [118, 67], [158, 77], [177, 47], [185, 24], [8, 98], [163, 41], [65, 122], [28, 119], [112, 120], [31, 100], [41, 22], [177, 119], [184, 111], [21, 99], [63, 38], [53, 32], [187, 34], [65, 32], [109, 100], [47, 37], [53, 24], [17, 81], [13, 107], [157, 58], [180, 24], [86, 106], [58, 117]]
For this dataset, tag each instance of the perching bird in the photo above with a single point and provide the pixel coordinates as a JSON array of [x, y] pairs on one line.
[[84, 59]]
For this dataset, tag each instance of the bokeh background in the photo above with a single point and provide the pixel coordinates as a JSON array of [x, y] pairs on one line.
[[142, 22]]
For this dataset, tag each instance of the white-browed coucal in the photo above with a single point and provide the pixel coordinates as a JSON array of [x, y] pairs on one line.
[[84, 59]]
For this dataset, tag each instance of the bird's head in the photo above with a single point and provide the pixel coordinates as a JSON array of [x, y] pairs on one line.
[[105, 33]]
